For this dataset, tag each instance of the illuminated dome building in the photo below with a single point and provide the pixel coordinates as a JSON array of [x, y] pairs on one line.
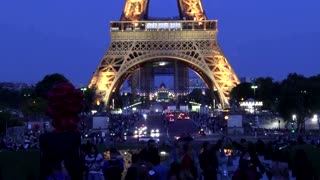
[[162, 94], [251, 105]]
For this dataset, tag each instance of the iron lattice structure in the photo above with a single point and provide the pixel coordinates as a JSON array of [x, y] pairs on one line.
[[192, 40]]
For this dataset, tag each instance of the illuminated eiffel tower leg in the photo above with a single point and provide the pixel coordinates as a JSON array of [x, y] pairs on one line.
[[190, 41]]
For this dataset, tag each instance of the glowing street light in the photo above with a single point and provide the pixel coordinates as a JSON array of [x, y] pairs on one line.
[[294, 117], [83, 89], [254, 87], [315, 118]]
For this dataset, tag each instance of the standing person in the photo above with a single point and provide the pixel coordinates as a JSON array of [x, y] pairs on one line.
[[248, 164], [302, 168], [279, 168], [161, 171], [150, 152], [188, 168], [112, 168], [59, 172], [208, 162], [93, 164], [174, 171]]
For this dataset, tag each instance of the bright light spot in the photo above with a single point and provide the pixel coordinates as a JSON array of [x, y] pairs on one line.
[[163, 153], [294, 117], [162, 63], [94, 111], [315, 118], [226, 117]]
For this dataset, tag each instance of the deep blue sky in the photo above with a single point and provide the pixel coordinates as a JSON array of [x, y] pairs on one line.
[[259, 37]]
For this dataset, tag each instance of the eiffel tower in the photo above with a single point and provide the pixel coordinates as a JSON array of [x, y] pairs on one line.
[[136, 39]]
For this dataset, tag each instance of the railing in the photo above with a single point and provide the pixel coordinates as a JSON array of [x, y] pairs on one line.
[[178, 25]]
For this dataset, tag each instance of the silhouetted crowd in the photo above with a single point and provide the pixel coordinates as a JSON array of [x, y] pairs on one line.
[[225, 159]]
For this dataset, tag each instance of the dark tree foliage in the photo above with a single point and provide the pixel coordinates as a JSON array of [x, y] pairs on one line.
[[299, 96], [296, 94], [268, 92], [9, 99], [208, 97], [34, 106], [196, 95], [88, 100], [48, 82], [242, 92], [7, 120]]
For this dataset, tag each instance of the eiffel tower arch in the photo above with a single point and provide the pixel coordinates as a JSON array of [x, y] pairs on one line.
[[135, 40]]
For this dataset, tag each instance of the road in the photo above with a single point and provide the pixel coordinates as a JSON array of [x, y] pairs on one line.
[[180, 127], [173, 129]]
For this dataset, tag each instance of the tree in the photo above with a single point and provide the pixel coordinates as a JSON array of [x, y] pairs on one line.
[[88, 99], [208, 97], [241, 92], [295, 99], [7, 121], [268, 91], [9, 98], [48, 82], [34, 106], [196, 95]]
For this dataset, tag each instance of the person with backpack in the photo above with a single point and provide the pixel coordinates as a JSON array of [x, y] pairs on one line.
[[188, 167], [113, 168]]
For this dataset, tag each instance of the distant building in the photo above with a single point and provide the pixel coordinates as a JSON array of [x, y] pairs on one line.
[[15, 86], [196, 83], [163, 94], [247, 79]]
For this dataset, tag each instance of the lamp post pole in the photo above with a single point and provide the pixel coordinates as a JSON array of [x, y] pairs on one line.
[[254, 87], [6, 127]]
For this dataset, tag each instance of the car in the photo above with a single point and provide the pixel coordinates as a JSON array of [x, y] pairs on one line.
[[202, 132], [181, 116], [155, 133], [171, 119], [139, 132]]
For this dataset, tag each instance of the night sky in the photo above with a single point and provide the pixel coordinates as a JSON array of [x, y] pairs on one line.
[[259, 37]]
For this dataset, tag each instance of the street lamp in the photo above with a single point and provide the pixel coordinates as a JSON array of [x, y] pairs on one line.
[[83, 89], [316, 119], [294, 117], [254, 87]]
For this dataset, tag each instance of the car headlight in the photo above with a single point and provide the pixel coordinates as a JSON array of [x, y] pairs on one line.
[[144, 132], [157, 130]]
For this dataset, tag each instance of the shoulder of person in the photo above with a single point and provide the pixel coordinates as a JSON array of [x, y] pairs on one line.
[[99, 156]]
